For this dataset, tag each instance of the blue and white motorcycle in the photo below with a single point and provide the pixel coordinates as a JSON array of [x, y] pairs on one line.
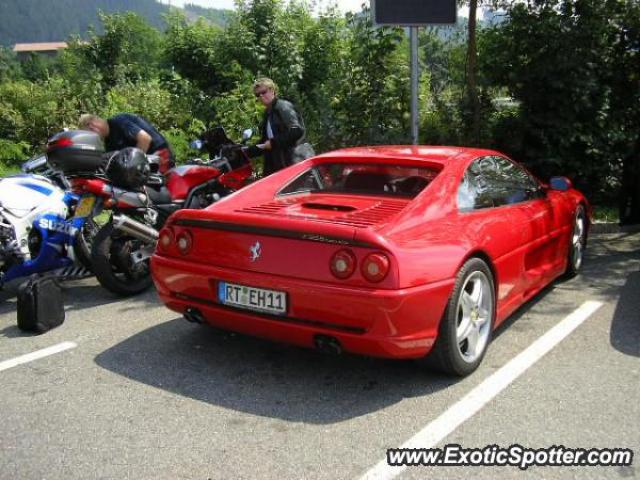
[[43, 228]]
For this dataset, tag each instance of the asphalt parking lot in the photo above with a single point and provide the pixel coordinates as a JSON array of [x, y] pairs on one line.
[[141, 393]]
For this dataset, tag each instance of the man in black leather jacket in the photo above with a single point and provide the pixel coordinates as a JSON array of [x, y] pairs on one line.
[[282, 130]]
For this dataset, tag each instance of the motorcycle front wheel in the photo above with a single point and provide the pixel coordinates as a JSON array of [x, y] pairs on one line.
[[83, 243], [113, 263]]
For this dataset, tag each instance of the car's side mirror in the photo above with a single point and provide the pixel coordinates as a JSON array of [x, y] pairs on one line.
[[247, 134], [560, 183]]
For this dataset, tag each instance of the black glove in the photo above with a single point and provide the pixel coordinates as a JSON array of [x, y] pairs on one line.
[[254, 151]]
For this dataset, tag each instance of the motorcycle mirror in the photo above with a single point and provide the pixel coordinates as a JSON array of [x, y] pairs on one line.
[[247, 134], [197, 144]]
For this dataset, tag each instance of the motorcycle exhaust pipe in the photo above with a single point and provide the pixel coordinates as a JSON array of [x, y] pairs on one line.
[[137, 230]]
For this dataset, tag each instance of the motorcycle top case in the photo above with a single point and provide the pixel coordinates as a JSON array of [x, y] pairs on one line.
[[40, 305], [76, 151]]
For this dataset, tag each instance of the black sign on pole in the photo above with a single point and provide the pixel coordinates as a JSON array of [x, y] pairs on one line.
[[413, 12]]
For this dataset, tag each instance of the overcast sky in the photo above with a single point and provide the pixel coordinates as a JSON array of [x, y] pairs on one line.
[[343, 5]]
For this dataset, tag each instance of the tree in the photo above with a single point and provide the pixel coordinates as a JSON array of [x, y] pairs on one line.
[[128, 50], [371, 104], [39, 67], [9, 65], [472, 86], [194, 51], [574, 77], [625, 98]]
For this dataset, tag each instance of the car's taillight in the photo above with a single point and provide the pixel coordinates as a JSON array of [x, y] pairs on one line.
[[375, 267], [343, 264], [184, 241], [165, 240]]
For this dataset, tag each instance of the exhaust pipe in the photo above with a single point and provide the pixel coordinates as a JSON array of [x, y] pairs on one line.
[[327, 344], [193, 315], [137, 230]]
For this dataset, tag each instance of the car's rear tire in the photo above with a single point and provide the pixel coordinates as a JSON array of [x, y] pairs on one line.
[[466, 327], [577, 243]]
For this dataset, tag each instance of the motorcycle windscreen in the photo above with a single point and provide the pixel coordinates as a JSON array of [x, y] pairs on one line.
[[21, 194]]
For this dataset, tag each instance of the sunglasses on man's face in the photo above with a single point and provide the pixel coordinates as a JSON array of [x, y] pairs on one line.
[[261, 93]]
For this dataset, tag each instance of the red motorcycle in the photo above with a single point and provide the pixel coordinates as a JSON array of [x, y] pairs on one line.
[[141, 196]]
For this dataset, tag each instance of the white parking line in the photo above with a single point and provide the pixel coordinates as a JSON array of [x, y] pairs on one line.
[[461, 411], [29, 357]]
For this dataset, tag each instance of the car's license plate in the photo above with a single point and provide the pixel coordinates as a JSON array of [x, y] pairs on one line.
[[252, 298], [84, 206]]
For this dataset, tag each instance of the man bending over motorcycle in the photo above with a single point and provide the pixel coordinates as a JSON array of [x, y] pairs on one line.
[[129, 130]]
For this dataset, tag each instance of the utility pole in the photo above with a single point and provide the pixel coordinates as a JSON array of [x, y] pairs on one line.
[[412, 14], [415, 75]]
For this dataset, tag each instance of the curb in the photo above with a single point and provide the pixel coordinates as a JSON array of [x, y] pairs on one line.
[[603, 227]]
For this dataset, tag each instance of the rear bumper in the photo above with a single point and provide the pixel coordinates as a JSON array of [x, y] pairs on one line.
[[382, 323]]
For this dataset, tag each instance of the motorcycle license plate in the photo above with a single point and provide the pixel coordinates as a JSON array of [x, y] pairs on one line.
[[85, 206], [252, 298]]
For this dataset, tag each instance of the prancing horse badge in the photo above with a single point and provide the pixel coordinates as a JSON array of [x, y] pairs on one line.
[[255, 251]]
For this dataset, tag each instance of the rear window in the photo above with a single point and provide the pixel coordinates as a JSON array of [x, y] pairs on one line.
[[362, 179]]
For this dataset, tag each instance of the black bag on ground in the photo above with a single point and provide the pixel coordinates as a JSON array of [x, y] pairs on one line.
[[40, 305]]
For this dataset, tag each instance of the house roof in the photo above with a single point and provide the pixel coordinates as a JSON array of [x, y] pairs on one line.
[[39, 47]]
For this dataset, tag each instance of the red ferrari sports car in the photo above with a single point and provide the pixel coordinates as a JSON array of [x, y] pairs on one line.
[[397, 251]]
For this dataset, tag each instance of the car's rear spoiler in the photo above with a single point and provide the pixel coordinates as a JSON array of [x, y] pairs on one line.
[[303, 229]]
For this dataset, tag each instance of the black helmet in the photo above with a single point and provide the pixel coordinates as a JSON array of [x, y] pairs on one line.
[[129, 168]]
